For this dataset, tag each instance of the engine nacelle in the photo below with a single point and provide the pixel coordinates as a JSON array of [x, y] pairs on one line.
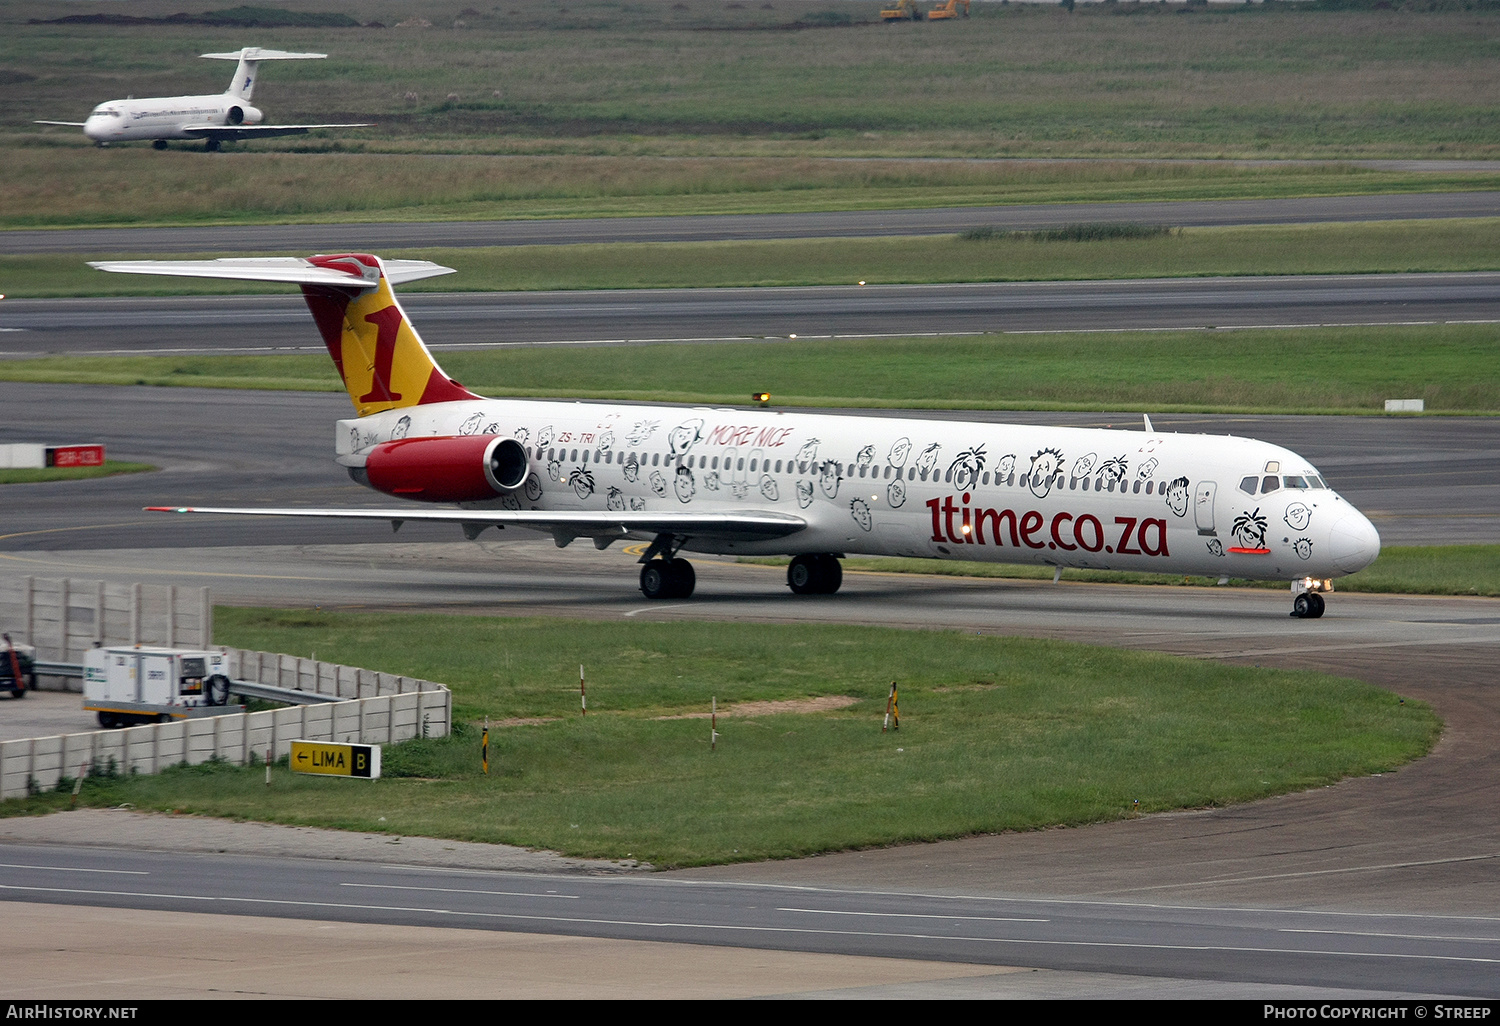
[[467, 468], [243, 114]]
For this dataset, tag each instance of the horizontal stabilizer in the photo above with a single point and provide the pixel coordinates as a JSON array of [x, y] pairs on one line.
[[255, 53], [748, 524], [291, 270], [66, 124]]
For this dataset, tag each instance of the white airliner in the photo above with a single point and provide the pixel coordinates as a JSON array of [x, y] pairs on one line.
[[214, 118], [811, 486]]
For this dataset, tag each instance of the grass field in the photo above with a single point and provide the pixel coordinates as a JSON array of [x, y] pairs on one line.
[[1352, 370], [996, 734], [605, 75], [651, 106], [1469, 244], [1401, 570], [35, 475]]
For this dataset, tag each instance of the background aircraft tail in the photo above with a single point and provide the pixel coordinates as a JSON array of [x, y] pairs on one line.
[[379, 355], [243, 83]]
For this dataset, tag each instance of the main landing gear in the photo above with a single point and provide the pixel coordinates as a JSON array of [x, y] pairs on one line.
[[1307, 598], [815, 573], [667, 578]]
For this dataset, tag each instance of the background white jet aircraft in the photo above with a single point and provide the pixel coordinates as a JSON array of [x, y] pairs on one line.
[[212, 118], [810, 486]]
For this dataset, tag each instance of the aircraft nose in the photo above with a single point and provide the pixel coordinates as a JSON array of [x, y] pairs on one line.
[[1353, 543]]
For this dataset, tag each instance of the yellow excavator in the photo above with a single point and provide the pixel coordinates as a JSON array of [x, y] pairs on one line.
[[948, 10], [905, 10]]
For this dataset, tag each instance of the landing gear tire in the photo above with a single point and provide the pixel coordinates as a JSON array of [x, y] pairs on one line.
[[815, 573], [159, 144], [668, 579], [211, 146], [1308, 606]]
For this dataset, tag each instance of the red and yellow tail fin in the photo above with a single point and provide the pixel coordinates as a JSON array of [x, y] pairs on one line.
[[378, 353]]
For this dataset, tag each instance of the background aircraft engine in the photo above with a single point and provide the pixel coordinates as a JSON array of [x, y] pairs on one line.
[[469, 468], [243, 114]]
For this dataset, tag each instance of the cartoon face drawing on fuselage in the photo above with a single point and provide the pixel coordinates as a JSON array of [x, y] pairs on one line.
[[658, 483], [966, 467], [554, 470], [682, 484], [1044, 467], [511, 501], [471, 424], [1005, 468], [804, 494], [632, 470], [859, 509], [402, 427], [900, 450], [895, 494], [808, 453], [865, 457], [1297, 516], [533, 488], [1215, 547], [928, 459], [582, 482], [615, 500], [829, 479], [1177, 496], [606, 441], [544, 437], [521, 435], [711, 480], [1146, 469], [1303, 547], [1082, 466], [637, 503], [643, 430], [685, 435], [1250, 529], [768, 488]]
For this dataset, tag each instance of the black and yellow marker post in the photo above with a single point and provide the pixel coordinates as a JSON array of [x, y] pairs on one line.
[[484, 746], [892, 711]]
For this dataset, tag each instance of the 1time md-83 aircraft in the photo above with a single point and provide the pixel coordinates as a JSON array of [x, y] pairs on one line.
[[213, 118], [811, 486]]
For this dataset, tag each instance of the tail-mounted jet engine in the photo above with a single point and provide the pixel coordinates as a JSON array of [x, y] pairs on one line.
[[243, 114], [468, 468]]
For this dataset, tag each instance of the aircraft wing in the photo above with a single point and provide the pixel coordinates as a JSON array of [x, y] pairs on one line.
[[222, 132], [563, 525], [66, 124]]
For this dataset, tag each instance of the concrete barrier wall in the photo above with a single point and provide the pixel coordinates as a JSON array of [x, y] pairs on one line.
[[377, 708], [65, 617]]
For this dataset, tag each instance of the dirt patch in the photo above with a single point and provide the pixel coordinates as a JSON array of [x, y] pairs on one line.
[[526, 721], [827, 703]]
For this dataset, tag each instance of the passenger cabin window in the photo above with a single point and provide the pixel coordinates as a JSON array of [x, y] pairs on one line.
[[1270, 484], [1247, 485]]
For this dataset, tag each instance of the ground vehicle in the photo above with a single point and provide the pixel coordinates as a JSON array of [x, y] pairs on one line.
[[131, 684], [905, 10], [17, 668], [949, 10]]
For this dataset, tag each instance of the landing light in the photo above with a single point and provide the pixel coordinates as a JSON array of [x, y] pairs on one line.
[[760, 397]]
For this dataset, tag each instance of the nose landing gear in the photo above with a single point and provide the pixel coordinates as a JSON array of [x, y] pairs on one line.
[[1307, 598]]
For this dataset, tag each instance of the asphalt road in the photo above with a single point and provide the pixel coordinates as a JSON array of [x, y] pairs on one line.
[[323, 238], [280, 324], [1389, 955]]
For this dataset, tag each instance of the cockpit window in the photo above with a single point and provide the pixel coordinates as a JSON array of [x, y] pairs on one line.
[[1315, 481], [1270, 484], [1248, 485], [1292, 481]]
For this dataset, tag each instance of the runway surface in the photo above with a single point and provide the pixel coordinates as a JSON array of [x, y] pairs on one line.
[[324, 238], [239, 325]]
